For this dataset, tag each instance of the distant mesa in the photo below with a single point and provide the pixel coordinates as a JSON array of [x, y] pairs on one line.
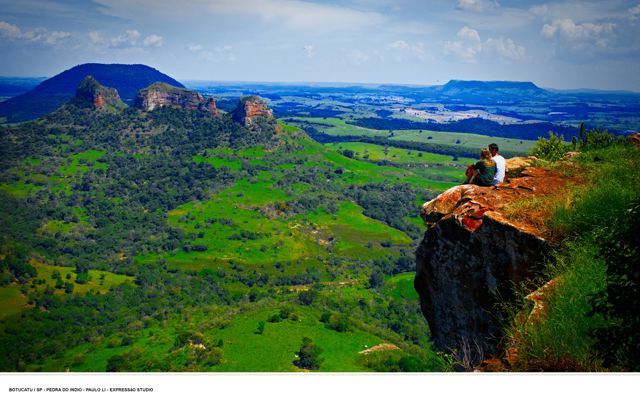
[[90, 92], [249, 109], [161, 94], [55, 91], [492, 88]]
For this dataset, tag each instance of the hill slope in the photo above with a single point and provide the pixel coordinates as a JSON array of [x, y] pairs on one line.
[[52, 93]]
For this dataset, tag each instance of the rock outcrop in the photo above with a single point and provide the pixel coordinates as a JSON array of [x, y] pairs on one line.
[[162, 94], [475, 251], [91, 93], [249, 109]]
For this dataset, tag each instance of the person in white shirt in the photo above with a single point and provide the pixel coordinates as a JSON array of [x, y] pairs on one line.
[[501, 164]]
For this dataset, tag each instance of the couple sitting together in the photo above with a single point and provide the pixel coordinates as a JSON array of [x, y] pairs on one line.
[[489, 170]]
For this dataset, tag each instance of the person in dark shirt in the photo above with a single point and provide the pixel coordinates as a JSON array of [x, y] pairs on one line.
[[482, 172]]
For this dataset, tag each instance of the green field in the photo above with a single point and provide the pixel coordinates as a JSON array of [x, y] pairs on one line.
[[375, 152], [338, 127], [12, 301], [97, 283], [521, 147], [80, 163]]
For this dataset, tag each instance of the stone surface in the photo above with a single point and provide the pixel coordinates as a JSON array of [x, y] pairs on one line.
[[635, 139], [90, 92], [161, 95], [473, 255], [249, 109]]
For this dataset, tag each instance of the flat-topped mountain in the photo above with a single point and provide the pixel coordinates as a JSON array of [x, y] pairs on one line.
[[162, 94], [491, 89], [52, 93]]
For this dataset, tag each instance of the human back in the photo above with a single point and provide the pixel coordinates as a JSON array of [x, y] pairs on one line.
[[501, 164], [485, 169]]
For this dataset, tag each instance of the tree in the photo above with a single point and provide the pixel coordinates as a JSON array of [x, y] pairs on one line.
[[308, 355], [377, 279]]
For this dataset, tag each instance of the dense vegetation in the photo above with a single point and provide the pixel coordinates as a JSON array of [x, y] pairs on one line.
[[592, 318], [173, 240]]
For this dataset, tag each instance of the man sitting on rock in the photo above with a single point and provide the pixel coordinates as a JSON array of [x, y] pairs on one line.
[[501, 165]]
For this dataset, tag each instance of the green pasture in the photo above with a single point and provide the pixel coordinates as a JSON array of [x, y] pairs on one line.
[[471, 140], [274, 350], [19, 189], [12, 301], [96, 281], [81, 162], [400, 286]]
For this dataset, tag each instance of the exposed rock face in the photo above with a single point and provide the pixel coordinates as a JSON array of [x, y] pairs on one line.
[[472, 256], [161, 94], [249, 109], [90, 92]]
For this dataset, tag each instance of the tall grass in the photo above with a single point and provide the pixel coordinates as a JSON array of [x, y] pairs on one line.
[[562, 339]]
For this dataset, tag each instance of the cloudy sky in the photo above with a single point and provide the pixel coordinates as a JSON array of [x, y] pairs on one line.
[[563, 44]]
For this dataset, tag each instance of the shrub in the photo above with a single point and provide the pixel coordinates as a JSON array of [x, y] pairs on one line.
[[596, 139], [619, 341], [552, 149], [308, 355]]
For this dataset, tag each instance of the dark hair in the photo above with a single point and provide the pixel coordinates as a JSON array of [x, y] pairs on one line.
[[494, 146]]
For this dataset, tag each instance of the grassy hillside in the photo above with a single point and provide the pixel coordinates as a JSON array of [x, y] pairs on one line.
[[591, 322], [164, 241]]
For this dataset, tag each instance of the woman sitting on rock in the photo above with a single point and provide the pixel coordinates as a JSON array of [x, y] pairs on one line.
[[482, 172]]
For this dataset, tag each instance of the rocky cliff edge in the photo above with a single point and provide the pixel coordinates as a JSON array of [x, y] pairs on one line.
[[477, 248]]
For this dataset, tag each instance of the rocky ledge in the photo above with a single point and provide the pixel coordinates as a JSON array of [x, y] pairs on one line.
[[251, 108], [91, 92], [476, 250], [162, 94]]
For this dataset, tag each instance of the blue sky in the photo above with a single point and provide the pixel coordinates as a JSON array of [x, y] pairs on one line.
[[563, 44]]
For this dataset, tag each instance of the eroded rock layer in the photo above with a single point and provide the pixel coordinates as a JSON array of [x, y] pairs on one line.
[[250, 109], [474, 252], [164, 95], [91, 92]]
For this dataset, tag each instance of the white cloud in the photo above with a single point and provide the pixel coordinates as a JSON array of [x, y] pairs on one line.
[[129, 39], [540, 10], [401, 49], [292, 14], [634, 12], [309, 51], [478, 5], [567, 29], [466, 46], [9, 30], [152, 40], [217, 54], [38, 35], [505, 48]]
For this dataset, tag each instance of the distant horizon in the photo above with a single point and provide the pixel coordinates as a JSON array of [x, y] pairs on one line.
[[557, 44], [339, 83]]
